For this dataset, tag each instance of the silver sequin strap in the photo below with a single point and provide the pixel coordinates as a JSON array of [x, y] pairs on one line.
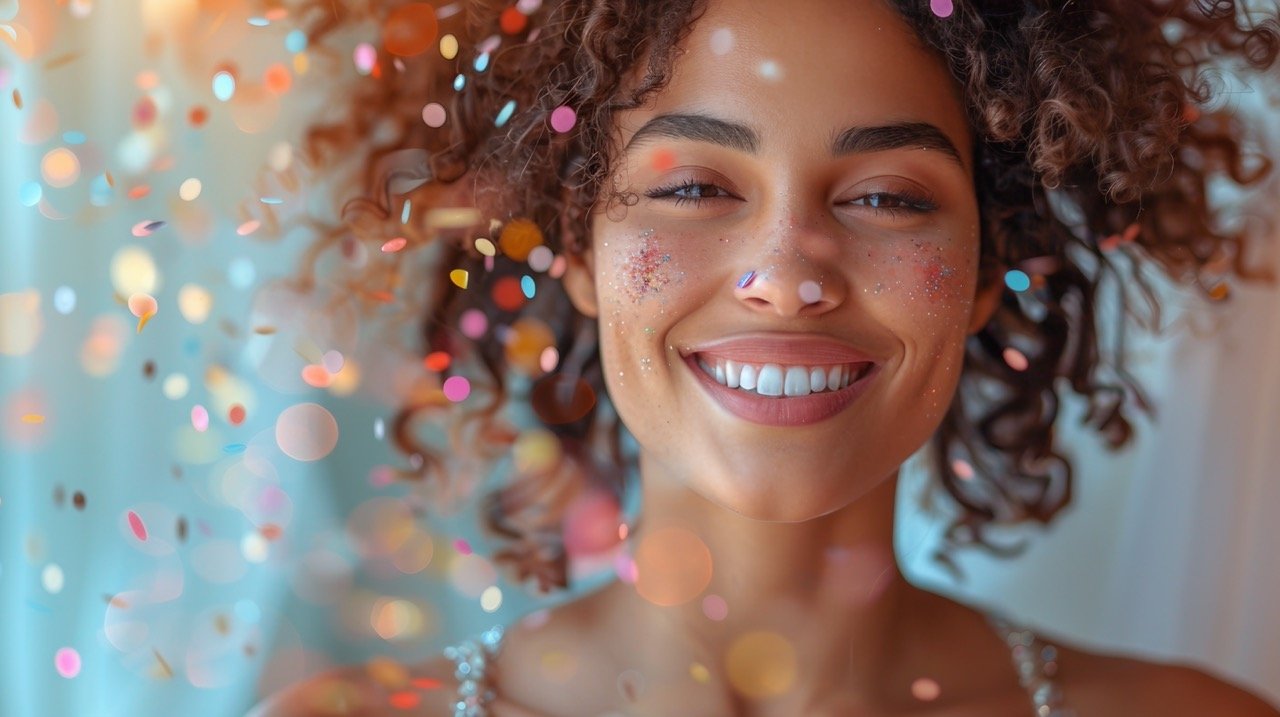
[[469, 656], [1037, 663]]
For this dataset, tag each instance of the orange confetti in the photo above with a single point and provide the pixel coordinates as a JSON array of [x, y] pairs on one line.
[[139, 191], [277, 79], [518, 238], [382, 296], [410, 30], [111, 181], [316, 376], [1219, 292], [236, 414], [61, 60], [32, 418], [197, 116], [17, 98], [270, 531]]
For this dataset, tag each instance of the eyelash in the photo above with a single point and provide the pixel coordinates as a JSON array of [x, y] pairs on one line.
[[913, 203]]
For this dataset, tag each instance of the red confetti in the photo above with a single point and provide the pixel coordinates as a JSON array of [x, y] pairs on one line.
[[236, 415], [512, 21], [436, 361], [426, 683], [404, 700]]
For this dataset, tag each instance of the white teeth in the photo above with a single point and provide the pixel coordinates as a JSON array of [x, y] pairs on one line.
[[817, 379], [732, 370], [797, 381], [771, 380], [834, 378]]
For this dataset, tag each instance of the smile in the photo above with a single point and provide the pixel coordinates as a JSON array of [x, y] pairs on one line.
[[781, 395], [772, 379]]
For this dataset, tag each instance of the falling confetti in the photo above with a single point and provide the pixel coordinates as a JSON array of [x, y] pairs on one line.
[[144, 307], [135, 524], [941, 8], [67, 662]]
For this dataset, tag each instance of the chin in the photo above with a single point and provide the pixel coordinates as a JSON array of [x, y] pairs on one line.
[[772, 499]]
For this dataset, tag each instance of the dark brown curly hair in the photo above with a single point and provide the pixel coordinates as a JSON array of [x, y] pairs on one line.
[[1099, 131]]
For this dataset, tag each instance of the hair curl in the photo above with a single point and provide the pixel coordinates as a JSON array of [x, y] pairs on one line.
[[1097, 137]]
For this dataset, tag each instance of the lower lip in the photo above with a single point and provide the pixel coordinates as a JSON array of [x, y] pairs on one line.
[[782, 410]]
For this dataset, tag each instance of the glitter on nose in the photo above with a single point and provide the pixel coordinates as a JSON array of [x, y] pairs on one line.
[[746, 279], [810, 291]]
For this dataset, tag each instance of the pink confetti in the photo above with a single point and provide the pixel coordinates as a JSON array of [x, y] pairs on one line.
[[135, 524], [563, 118], [462, 546], [199, 418], [67, 662], [941, 8], [456, 388], [394, 245], [473, 323]]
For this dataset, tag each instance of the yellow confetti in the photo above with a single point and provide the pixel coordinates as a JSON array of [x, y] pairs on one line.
[[459, 277], [32, 418]]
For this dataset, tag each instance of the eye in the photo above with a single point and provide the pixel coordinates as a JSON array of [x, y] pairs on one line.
[[904, 204], [689, 191]]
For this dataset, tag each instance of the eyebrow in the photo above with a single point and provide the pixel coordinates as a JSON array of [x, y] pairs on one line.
[[854, 140]]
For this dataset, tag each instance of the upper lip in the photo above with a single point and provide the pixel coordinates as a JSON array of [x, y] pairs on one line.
[[777, 347]]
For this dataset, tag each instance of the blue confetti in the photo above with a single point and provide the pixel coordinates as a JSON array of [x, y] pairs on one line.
[[271, 200], [73, 137], [404, 213], [505, 113], [482, 62], [526, 285], [1017, 280], [234, 448], [29, 193], [259, 21], [224, 85], [459, 82], [295, 41]]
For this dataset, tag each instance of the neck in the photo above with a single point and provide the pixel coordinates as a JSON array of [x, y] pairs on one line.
[[828, 588]]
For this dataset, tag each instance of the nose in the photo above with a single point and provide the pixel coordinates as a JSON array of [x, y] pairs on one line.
[[791, 285]]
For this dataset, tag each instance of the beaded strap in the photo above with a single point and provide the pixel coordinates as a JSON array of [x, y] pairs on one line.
[[1037, 663], [470, 656]]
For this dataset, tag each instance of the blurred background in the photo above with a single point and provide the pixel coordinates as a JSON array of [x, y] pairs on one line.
[[196, 504]]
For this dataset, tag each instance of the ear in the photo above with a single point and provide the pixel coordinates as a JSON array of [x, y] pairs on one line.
[[580, 277], [986, 302], [580, 282]]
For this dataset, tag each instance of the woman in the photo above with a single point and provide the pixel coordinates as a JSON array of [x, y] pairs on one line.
[[793, 225]]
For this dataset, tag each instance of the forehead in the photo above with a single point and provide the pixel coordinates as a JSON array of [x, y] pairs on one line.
[[802, 70]]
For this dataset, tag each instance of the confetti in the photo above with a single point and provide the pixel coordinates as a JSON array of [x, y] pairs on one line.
[[962, 469], [941, 8], [410, 29], [199, 418], [394, 245], [505, 113], [306, 432], [223, 85], [512, 21], [459, 278], [1015, 359], [563, 119], [1017, 280], [462, 546], [67, 662], [236, 414], [456, 388], [448, 47], [135, 524], [433, 114], [144, 307]]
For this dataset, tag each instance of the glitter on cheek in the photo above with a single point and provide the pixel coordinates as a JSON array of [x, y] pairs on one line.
[[934, 276], [645, 272]]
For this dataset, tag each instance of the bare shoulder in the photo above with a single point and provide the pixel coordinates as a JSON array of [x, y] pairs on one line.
[[424, 690], [1103, 684]]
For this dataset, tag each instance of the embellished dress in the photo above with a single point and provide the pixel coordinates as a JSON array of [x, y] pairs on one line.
[[1035, 661]]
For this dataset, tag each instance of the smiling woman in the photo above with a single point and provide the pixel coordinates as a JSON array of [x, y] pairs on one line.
[[794, 243]]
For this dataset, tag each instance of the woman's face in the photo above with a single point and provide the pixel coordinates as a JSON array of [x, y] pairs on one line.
[[760, 155]]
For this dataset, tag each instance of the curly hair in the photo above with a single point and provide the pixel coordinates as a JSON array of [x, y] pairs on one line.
[[1097, 138]]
